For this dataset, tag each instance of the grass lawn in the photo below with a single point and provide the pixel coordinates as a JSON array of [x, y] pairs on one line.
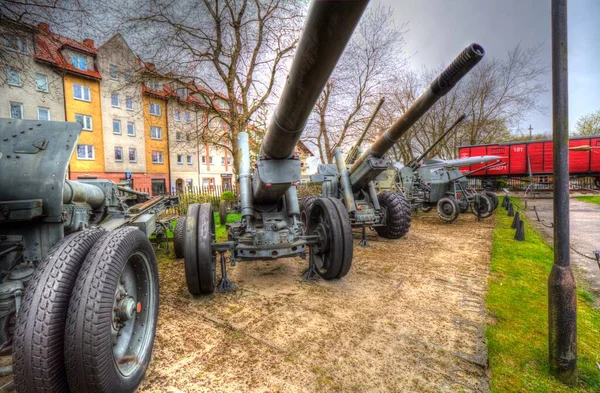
[[517, 301], [221, 229], [590, 198]]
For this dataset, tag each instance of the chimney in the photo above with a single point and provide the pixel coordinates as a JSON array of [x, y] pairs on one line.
[[150, 66], [44, 27], [89, 43]]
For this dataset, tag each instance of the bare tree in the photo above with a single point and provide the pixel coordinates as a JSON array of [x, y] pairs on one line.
[[229, 53], [373, 56]]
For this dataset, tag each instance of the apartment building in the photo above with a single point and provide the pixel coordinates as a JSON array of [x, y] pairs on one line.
[[30, 87], [123, 112]]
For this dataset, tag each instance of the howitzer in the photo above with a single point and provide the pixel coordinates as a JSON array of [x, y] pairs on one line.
[[387, 212], [270, 226], [354, 150], [67, 250]]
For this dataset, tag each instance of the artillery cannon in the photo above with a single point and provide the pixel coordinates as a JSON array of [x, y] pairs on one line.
[[389, 211], [78, 275], [270, 226]]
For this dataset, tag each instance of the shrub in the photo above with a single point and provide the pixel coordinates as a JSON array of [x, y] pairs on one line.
[[228, 196]]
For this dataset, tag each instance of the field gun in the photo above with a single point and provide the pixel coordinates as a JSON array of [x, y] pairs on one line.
[[78, 275], [389, 211], [270, 226]]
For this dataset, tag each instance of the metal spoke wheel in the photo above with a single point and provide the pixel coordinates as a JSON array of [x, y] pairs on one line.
[[484, 207], [332, 255], [112, 314], [200, 258], [448, 209]]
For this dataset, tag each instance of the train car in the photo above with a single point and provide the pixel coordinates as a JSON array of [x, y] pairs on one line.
[[525, 158]]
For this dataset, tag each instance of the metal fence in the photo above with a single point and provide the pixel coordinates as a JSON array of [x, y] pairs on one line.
[[539, 183]]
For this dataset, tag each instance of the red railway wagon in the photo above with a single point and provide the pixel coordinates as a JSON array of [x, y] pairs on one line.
[[519, 156]]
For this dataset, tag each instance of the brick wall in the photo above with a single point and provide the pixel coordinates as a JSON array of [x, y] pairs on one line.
[[140, 180]]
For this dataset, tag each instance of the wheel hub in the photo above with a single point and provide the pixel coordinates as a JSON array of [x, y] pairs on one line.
[[128, 308]]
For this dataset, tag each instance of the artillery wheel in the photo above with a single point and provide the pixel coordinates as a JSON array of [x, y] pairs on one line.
[[448, 209], [305, 207], [112, 314], [493, 197], [485, 206], [38, 346], [222, 211], [332, 255], [397, 212], [200, 258], [178, 237]]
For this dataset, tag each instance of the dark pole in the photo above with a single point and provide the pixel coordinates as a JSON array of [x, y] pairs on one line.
[[562, 293]]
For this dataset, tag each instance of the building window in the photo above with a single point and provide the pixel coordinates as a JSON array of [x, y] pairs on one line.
[[131, 129], [114, 72], [41, 82], [178, 136], [114, 100], [157, 157], [118, 154], [129, 103], [13, 77], [204, 159], [127, 76], [154, 85], [158, 186], [117, 127], [190, 159], [85, 121], [208, 182], [43, 113], [16, 43], [187, 117], [155, 109], [177, 115], [78, 62], [16, 110], [132, 154], [210, 160], [222, 160], [81, 92], [85, 152], [180, 158], [182, 93], [155, 132], [229, 160]]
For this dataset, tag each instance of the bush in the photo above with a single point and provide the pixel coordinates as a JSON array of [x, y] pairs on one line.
[[228, 196]]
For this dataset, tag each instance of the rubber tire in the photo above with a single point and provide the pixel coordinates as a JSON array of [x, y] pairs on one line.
[[38, 346], [88, 348], [455, 212], [489, 206], [200, 261], [222, 212], [178, 242], [340, 247], [493, 197], [305, 207], [398, 215]]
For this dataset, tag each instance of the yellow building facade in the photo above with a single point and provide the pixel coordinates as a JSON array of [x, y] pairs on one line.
[[82, 103], [156, 140]]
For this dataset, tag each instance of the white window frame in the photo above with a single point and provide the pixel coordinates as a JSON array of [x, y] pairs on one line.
[[116, 121], [210, 160], [127, 76], [155, 105], [179, 136], [37, 86], [85, 118], [87, 151], [154, 128], [78, 57], [134, 154], [188, 117], [121, 149], [110, 72], [19, 40], [84, 89], [160, 155], [112, 102], [11, 71], [180, 159], [10, 107], [204, 159], [222, 160], [190, 159], [133, 127], [129, 100], [46, 109], [177, 115]]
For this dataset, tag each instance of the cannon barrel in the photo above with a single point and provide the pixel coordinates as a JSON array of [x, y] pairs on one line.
[[328, 29], [467, 59], [353, 153], [76, 192], [414, 163]]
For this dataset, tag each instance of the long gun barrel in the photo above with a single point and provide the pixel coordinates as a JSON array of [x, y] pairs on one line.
[[467, 59], [414, 163], [327, 31], [353, 153]]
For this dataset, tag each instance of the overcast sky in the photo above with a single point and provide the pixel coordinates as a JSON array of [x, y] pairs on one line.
[[440, 29]]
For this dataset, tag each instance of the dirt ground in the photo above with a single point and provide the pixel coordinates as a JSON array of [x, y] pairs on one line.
[[410, 316]]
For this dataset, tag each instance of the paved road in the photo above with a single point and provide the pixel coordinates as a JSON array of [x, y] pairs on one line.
[[585, 236]]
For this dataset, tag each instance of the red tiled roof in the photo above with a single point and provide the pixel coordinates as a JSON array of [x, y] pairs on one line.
[[49, 48]]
